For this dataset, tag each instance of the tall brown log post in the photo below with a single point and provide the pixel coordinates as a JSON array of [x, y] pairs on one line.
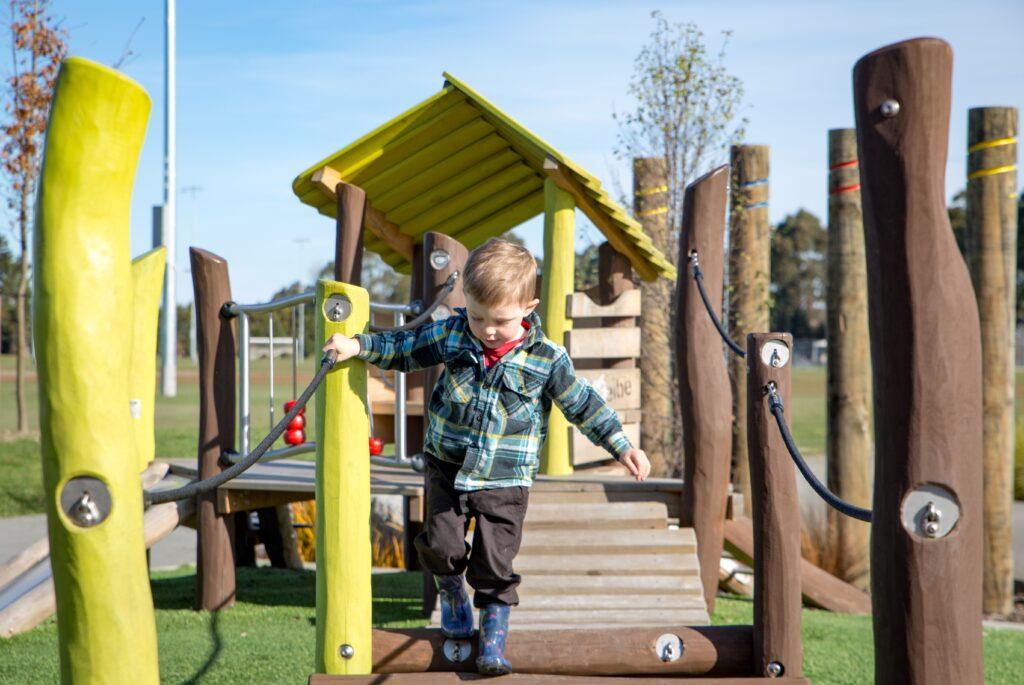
[[848, 438], [992, 257], [216, 346], [348, 240], [778, 649], [749, 274], [442, 256], [926, 527], [704, 398], [650, 207], [614, 277]]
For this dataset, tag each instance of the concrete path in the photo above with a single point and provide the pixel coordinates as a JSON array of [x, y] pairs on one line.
[[17, 533]]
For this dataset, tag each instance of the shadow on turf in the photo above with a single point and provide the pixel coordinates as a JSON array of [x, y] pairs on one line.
[[396, 596]]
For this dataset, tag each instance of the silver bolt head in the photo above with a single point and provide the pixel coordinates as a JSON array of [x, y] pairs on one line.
[[931, 529], [890, 108], [774, 669], [439, 259], [347, 651]]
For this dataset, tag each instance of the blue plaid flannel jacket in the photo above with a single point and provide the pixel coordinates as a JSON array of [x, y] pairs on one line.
[[492, 421]]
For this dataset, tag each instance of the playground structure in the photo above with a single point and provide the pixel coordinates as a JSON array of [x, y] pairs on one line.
[[926, 349]]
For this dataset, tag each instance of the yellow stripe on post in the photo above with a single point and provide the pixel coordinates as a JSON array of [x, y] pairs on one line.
[[344, 643], [147, 287], [556, 285], [82, 317]]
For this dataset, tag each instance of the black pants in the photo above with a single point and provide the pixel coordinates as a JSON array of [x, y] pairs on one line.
[[499, 516]]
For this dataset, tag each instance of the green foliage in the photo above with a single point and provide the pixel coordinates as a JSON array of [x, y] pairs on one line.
[[798, 273]]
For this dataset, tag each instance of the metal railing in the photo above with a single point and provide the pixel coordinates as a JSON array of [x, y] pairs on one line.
[[298, 302]]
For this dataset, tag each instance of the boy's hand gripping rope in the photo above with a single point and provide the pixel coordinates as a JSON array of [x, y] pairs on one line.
[[200, 487], [775, 405], [698, 276]]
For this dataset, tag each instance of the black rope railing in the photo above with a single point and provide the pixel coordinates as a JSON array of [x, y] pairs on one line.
[[422, 317], [698, 276], [199, 487], [776, 408]]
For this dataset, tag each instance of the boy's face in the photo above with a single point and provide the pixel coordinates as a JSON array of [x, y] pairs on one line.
[[495, 325]]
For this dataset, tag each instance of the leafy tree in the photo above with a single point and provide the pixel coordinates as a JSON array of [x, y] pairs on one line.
[[798, 272], [686, 109], [37, 47], [8, 290]]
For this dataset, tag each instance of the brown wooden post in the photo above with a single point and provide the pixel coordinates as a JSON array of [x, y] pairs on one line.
[[650, 207], [704, 397], [848, 436], [991, 239], [749, 274], [926, 356], [614, 277], [778, 649], [348, 241], [442, 256], [215, 342]]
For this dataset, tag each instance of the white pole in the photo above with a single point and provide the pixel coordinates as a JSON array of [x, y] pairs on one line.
[[169, 379]]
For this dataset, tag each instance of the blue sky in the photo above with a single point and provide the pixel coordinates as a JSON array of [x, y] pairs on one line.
[[267, 88]]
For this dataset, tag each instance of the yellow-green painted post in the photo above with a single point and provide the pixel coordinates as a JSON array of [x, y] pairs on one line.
[[82, 316], [147, 287], [556, 285], [343, 599]]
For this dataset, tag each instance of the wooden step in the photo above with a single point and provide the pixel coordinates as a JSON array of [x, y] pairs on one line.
[[617, 542], [600, 565], [592, 516], [535, 679], [628, 584], [558, 602], [607, 617]]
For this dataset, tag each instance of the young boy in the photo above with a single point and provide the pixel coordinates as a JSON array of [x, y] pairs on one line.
[[487, 420]]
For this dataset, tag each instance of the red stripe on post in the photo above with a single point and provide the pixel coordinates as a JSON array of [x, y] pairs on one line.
[[844, 189], [843, 165]]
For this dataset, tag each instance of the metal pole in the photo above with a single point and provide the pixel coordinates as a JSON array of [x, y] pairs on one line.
[[243, 384], [295, 355], [270, 346], [302, 331], [169, 380], [400, 453]]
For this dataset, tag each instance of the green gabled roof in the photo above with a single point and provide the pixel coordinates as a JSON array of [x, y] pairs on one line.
[[458, 165]]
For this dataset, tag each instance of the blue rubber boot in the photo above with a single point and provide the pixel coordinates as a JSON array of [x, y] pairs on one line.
[[456, 611], [493, 631]]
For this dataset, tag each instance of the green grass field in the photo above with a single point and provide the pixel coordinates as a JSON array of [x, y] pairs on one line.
[[269, 636]]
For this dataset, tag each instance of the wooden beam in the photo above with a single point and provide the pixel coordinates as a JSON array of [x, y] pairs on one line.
[[564, 179], [819, 588], [327, 180], [707, 650], [582, 306], [456, 678]]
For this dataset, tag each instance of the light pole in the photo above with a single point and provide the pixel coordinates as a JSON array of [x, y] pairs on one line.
[[169, 315]]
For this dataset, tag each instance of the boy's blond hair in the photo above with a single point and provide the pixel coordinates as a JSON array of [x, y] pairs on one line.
[[499, 272]]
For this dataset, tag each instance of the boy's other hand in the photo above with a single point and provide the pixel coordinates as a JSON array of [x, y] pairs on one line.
[[636, 461], [345, 347]]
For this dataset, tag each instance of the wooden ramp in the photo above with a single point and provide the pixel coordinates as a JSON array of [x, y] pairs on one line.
[[819, 588], [605, 565]]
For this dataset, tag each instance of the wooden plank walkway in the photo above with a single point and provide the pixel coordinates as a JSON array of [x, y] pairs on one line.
[[611, 565], [293, 480]]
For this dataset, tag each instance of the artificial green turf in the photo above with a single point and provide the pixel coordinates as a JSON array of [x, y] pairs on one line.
[[269, 635]]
